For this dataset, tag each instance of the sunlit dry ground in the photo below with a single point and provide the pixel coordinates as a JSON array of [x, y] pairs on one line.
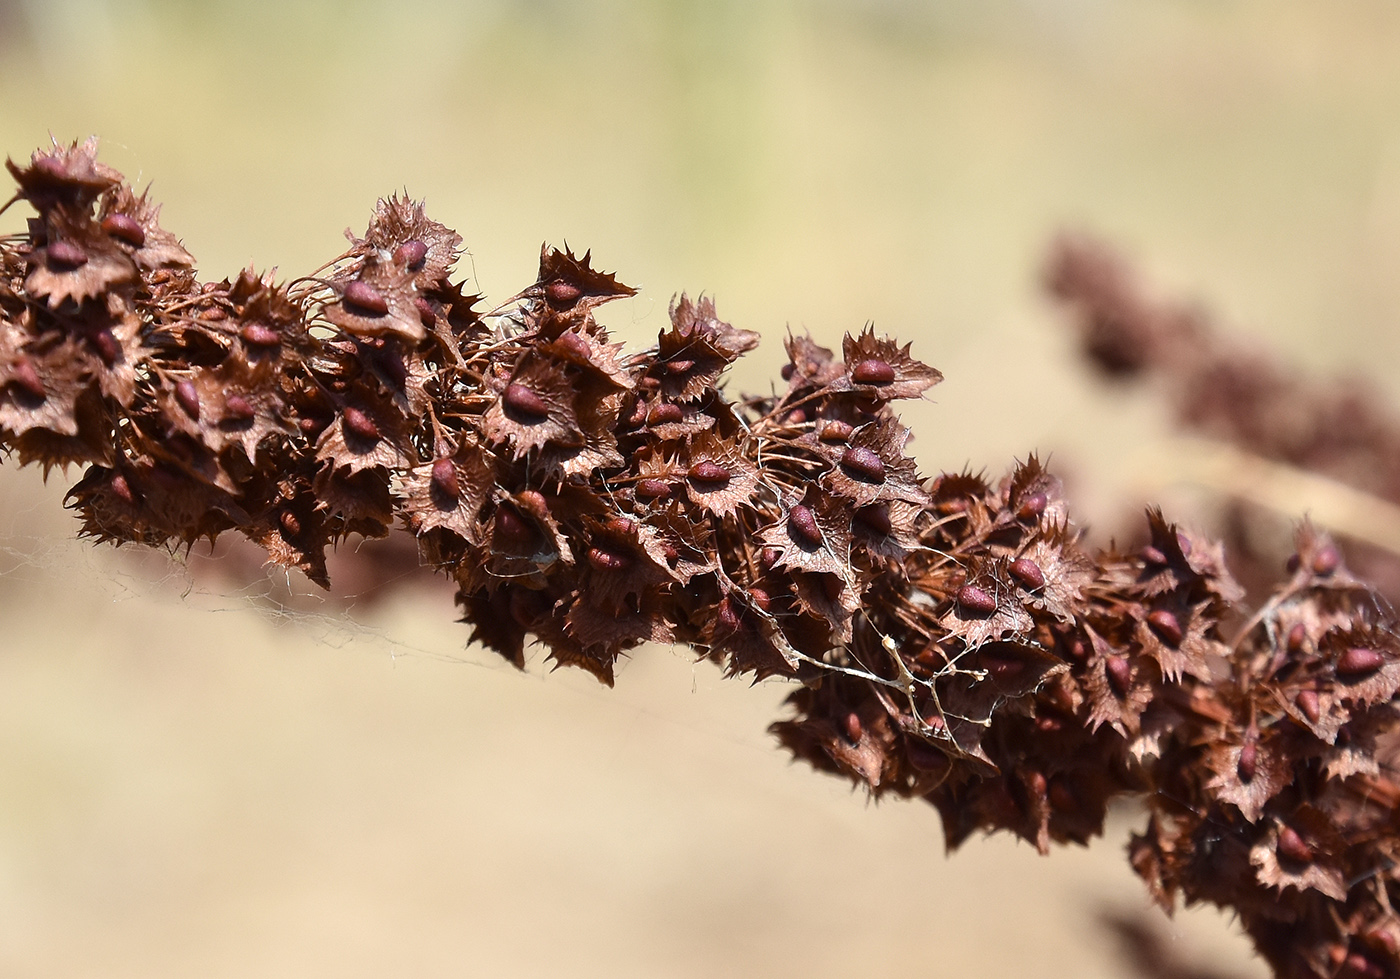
[[195, 786]]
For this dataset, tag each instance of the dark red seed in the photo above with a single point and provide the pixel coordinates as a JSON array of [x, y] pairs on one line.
[[976, 601], [769, 556], [1248, 765], [787, 371], [575, 346], [872, 372], [365, 298], [601, 559], [834, 431], [727, 616], [238, 407], [796, 417], [1032, 506], [1153, 556], [1293, 847], [525, 403], [1359, 965], [213, 313], [802, 526], [670, 552], [125, 227], [708, 472], [122, 489], [664, 413], [622, 525], [1292, 563], [444, 478], [561, 294], [533, 502], [23, 373], [1028, 573], [1061, 796], [526, 607], [653, 489], [310, 425], [677, 366], [1326, 561], [260, 335], [289, 522], [107, 347], [1120, 674], [876, 519], [426, 314], [188, 397], [1296, 637], [412, 253], [850, 724], [863, 464], [513, 529], [1309, 704], [832, 585], [1356, 660], [760, 599], [1078, 650], [65, 256], [1167, 626], [361, 424]]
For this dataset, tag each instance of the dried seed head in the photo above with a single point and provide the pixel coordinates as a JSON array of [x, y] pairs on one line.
[[1120, 674], [709, 473], [238, 407], [664, 413], [66, 255], [1293, 847], [1166, 625], [260, 335], [187, 395], [863, 464], [802, 526], [412, 254], [975, 601], [365, 298], [444, 479], [872, 372], [834, 431], [1028, 573], [524, 404], [126, 228], [1032, 506], [1357, 660], [1309, 703], [23, 373], [651, 488], [361, 424], [1248, 765]]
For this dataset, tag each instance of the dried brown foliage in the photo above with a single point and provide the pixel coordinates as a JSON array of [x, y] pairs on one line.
[[952, 639]]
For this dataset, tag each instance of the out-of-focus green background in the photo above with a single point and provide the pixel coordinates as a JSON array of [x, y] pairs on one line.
[[192, 785]]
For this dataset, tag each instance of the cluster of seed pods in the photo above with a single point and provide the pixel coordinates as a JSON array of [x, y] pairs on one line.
[[950, 638]]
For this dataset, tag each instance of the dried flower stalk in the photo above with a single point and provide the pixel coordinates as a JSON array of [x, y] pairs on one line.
[[953, 640]]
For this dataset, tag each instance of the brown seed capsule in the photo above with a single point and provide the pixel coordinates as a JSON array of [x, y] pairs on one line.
[[23, 373], [851, 725], [975, 601], [1357, 660], [652, 489], [1296, 637], [1120, 674], [125, 227], [426, 314], [444, 479], [709, 474], [107, 346], [1032, 506], [525, 404], [872, 372], [187, 395], [260, 335], [802, 527], [664, 413], [1028, 573], [1166, 625], [64, 256], [290, 524], [834, 431], [1326, 561], [359, 423], [412, 254], [603, 559], [1293, 847], [238, 407], [365, 299], [122, 489], [1248, 765], [575, 346], [1308, 702], [863, 464], [561, 294]]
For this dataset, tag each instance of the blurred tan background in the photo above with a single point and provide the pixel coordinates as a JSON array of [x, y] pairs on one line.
[[194, 785]]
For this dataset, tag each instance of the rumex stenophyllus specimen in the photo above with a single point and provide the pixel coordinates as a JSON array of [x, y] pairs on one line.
[[951, 638]]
